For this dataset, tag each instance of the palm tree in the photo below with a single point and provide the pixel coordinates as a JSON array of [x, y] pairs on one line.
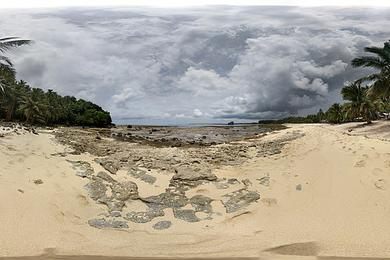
[[32, 110], [335, 114], [360, 105], [380, 80], [5, 63]]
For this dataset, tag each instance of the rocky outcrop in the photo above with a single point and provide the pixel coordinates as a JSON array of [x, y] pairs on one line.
[[107, 223], [239, 199], [190, 177]]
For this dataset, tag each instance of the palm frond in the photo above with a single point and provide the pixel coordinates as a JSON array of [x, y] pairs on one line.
[[368, 61], [12, 42], [383, 53]]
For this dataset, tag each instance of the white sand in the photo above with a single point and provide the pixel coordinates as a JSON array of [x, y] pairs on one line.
[[343, 208]]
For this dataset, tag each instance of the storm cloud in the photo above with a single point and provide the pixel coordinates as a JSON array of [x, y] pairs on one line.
[[203, 64]]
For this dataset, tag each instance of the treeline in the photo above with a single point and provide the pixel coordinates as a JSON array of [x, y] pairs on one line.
[[20, 102], [367, 98]]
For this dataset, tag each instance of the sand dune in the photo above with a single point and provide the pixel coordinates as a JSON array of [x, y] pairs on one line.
[[326, 194]]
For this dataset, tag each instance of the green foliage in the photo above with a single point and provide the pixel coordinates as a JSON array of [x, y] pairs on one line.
[[379, 82], [18, 101], [335, 114], [361, 104], [33, 105]]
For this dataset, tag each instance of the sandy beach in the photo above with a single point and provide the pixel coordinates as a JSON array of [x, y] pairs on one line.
[[306, 190]]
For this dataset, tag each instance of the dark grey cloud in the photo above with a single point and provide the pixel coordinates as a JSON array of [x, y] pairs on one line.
[[200, 64]]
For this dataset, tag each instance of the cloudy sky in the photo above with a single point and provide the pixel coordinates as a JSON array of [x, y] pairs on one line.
[[195, 64]]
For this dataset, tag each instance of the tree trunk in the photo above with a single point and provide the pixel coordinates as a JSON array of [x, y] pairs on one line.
[[9, 113]]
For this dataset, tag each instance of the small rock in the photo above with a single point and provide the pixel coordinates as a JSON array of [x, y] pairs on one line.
[[103, 223], [144, 217], [298, 187], [38, 181], [186, 215], [162, 225]]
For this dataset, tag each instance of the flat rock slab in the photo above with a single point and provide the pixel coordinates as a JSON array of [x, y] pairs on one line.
[[201, 203], [142, 175], [109, 165], [186, 215], [239, 199], [104, 223], [144, 217], [166, 200], [165, 224], [83, 169], [188, 177]]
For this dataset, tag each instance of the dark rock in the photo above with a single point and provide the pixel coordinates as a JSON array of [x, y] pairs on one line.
[[201, 203], [144, 217], [298, 187], [239, 199], [124, 190], [143, 176], [38, 181], [162, 225], [103, 223], [166, 200], [246, 182], [186, 177], [83, 169], [105, 177], [108, 165], [96, 190], [186, 215]]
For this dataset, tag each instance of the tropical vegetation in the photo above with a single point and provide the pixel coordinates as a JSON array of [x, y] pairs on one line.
[[367, 98], [21, 102]]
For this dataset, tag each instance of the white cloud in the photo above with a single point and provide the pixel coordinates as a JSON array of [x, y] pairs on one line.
[[169, 63]]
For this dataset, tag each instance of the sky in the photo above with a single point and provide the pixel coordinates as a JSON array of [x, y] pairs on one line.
[[181, 64]]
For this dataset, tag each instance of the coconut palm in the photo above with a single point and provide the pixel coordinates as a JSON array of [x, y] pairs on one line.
[[5, 63], [360, 105], [32, 110], [380, 61], [335, 114]]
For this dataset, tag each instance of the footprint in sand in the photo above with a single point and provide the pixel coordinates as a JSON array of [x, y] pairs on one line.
[[387, 163], [360, 163], [380, 184]]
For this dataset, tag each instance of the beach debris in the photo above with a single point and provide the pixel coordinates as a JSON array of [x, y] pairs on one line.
[[111, 223], [299, 187], [21, 191], [38, 181], [239, 199], [165, 224]]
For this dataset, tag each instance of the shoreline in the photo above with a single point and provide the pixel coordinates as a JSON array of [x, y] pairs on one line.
[[321, 177]]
